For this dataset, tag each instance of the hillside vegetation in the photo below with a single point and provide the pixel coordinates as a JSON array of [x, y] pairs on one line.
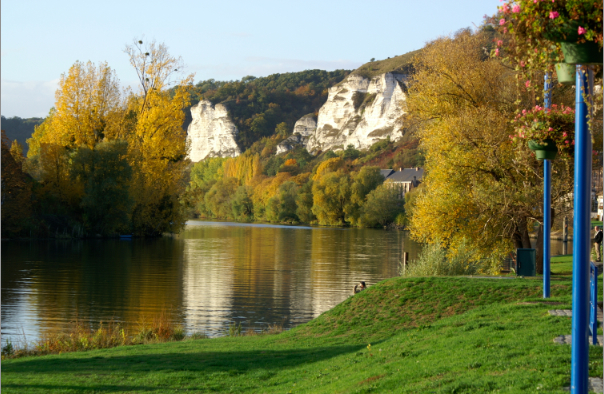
[[402, 64], [20, 129]]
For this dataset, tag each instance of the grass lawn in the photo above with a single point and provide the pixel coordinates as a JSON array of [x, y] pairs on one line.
[[405, 335]]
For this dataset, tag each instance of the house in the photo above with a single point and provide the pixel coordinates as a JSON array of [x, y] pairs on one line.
[[403, 180]]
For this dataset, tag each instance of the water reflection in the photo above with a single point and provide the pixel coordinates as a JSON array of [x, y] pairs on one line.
[[212, 274]]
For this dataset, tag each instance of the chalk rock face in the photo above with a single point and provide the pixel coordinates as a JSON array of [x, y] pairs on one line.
[[211, 133], [303, 128], [360, 112]]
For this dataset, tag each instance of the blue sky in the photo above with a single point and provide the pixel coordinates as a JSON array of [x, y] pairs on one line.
[[224, 40]]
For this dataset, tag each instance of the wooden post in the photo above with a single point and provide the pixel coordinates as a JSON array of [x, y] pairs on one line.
[[405, 258], [565, 236]]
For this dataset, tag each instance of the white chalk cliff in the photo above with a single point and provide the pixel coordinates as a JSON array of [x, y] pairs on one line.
[[360, 112], [211, 133], [303, 128]]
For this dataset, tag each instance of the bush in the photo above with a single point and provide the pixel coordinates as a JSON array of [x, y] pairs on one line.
[[435, 260]]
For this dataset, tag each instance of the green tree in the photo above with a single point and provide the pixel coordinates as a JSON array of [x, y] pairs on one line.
[[105, 173], [288, 193], [381, 208], [350, 153], [304, 203], [363, 182], [242, 204], [218, 198], [282, 130]]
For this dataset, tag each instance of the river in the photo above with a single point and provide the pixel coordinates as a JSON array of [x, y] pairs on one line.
[[209, 276]]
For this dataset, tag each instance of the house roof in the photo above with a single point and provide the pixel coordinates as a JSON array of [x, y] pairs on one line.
[[406, 175], [386, 173]]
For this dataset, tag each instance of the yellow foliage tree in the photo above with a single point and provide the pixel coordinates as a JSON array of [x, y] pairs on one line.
[[156, 140], [88, 106], [478, 189], [329, 165], [243, 167]]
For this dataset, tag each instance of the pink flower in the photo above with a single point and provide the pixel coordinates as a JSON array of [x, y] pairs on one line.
[[522, 63], [553, 14], [527, 83], [550, 129], [496, 51], [573, 143], [499, 43], [524, 112], [505, 9], [564, 134], [566, 142], [581, 30], [516, 9], [505, 30], [501, 22]]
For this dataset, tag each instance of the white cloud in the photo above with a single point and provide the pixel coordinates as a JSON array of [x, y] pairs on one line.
[[27, 99]]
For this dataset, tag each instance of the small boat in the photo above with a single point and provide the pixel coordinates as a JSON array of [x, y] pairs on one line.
[[125, 236]]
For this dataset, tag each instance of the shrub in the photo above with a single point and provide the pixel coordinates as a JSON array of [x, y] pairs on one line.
[[435, 260]]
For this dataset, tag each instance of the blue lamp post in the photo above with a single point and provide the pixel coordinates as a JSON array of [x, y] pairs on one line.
[[547, 200], [581, 237]]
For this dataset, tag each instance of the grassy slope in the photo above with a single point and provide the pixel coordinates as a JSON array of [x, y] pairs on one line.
[[398, 64], [436, 335]]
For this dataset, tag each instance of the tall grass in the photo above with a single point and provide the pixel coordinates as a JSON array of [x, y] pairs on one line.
[[435, 260], [82, 337]]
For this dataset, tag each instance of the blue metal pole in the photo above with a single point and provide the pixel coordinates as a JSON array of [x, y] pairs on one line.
[[547, 200], [547, 203], [581, 239]]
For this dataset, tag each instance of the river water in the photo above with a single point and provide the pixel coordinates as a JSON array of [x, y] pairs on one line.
[[207, 277]]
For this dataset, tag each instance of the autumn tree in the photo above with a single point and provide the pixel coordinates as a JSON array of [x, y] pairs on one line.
[[331, 193], [88, 110], [88, 106], [477, 188], [16, 151], [156, 140]]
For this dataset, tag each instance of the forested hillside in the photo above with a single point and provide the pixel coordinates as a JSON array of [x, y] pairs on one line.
[[258, 105], [20, 129]]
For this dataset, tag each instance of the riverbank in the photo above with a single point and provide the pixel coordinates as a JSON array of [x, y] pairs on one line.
[[404, 335]]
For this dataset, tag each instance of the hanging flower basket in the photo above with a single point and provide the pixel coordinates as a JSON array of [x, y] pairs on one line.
[[547, 132], [582, 53], [545, 149], [566, 73]]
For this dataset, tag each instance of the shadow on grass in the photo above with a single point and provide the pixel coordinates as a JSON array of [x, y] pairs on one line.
[[232, 362]]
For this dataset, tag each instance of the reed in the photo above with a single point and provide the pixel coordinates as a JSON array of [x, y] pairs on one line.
[[83, 337]]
